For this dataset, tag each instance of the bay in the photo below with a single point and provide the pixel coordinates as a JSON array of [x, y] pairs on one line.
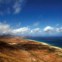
[[54, 41]]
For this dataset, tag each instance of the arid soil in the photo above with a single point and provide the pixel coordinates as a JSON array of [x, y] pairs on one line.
[[17, 49]]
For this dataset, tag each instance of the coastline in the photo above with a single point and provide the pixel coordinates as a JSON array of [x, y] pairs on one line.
[[56, 47]]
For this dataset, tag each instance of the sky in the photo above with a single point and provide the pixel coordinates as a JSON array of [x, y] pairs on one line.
[[31, 17]]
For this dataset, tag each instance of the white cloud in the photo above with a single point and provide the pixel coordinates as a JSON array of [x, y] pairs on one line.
[[22, 30], [36, 30], [59, 29], [7, 29], [11, 6], [36, 24], [4, 28], [52, 30], [17, 10], [17, 6], [48, 29]]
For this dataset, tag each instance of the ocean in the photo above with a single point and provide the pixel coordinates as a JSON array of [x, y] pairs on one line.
[[54, 41]]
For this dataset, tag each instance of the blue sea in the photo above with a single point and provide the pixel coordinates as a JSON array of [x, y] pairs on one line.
[[55, 41]]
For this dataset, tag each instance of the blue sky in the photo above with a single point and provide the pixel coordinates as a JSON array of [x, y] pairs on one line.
[[39, 16]]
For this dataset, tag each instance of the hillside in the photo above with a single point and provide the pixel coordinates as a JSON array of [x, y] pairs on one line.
[[17, 49]]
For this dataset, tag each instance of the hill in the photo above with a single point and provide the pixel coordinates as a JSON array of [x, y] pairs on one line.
[[18, 49]]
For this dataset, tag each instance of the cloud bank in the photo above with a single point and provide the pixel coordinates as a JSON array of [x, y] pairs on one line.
[[7, 29]]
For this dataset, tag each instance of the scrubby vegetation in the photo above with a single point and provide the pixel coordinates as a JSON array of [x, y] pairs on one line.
[[16, 49]]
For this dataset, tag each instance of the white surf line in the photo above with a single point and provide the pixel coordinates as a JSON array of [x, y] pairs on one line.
[[46, 44]]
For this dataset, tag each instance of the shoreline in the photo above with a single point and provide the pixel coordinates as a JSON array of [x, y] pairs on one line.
[[46, 44]]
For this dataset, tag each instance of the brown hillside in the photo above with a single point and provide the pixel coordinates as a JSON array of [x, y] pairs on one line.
[[16, 49]]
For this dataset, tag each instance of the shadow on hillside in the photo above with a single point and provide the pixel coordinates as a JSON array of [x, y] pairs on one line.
[[25, 46], [6, 45]]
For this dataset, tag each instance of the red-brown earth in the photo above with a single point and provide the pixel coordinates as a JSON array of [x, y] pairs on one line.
[[18, 49]]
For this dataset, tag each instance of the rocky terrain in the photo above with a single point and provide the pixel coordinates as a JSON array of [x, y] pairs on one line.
[[17, 49]]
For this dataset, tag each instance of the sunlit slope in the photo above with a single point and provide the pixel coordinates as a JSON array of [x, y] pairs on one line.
[[16, 49]]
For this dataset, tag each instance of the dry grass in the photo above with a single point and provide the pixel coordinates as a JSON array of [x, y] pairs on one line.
[[27, 51]]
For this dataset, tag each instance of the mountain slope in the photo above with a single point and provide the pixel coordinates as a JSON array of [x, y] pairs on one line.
[[17, 49]]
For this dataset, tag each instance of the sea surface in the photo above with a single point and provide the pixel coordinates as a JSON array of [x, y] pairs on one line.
[[54, 41]]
